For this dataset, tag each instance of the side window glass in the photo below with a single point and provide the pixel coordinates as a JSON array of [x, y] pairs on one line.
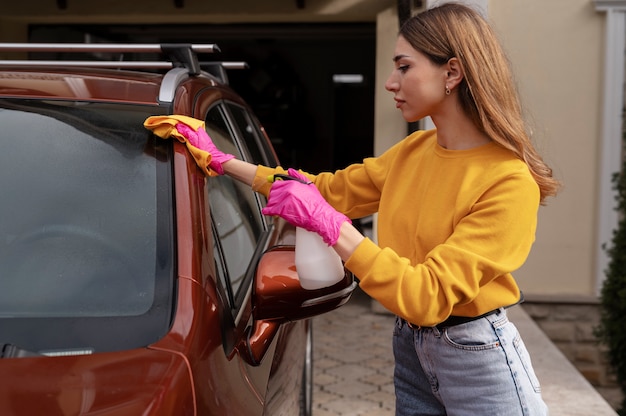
[[217, 128], [251, 135], [235, 214]]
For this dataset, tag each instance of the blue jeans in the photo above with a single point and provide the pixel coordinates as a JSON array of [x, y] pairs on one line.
[[476, 368]]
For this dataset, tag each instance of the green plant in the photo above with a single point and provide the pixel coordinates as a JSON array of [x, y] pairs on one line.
[[612, 328]]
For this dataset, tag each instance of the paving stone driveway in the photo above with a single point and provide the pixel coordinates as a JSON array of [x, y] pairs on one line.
[[353, 361]]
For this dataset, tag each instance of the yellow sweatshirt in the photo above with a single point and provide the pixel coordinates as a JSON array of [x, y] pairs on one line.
[[452, 225]]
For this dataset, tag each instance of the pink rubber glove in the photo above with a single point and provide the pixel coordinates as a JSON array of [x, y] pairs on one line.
[[200, 139], [303, 206]]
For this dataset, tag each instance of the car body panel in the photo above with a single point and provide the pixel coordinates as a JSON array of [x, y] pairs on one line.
[[122, 383], [81, 84]]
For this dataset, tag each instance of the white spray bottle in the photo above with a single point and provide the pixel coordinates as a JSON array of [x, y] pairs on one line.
[[318, 265]]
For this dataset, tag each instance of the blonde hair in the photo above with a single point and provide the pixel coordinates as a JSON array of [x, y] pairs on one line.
[[487, 92]]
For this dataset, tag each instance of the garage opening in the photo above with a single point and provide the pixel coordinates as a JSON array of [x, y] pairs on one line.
[[311, 85]]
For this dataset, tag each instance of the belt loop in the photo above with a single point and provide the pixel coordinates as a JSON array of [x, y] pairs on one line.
[[413, 326], [438, 331], [399, 322]]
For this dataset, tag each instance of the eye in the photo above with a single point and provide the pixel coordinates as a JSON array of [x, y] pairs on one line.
[[403, 68]]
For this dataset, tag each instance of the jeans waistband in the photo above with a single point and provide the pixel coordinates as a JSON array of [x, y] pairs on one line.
[[455, 320]]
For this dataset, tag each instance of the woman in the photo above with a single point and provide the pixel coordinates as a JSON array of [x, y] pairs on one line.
[[457, 212]]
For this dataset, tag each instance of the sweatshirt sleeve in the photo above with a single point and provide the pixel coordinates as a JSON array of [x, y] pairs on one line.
[[354, 191]]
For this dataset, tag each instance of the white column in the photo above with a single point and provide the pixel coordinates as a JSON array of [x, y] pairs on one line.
[[611, 139]]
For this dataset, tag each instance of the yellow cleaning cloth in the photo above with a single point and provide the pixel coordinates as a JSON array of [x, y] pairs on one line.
[[165, 127]]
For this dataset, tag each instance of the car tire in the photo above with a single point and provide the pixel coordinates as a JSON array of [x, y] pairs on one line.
[[306, 390]]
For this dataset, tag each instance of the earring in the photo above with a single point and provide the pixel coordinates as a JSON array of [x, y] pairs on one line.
[[447, 90]]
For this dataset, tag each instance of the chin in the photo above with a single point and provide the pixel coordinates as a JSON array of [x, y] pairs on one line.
[[411, 119]]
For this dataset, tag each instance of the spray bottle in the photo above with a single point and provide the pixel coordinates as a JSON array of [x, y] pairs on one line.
[[317, 264]]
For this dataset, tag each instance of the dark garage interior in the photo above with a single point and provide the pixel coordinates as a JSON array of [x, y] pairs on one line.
[[311, 85]]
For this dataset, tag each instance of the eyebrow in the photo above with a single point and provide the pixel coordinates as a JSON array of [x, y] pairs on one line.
[[398, 57]]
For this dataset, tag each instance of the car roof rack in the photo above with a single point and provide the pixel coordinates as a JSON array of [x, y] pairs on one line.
[[178, 53], [182, 59]]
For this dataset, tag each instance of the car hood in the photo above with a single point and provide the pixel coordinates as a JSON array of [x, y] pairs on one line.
[[136, 382]]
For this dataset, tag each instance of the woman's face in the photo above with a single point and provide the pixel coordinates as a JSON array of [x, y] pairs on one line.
[[417, 83]]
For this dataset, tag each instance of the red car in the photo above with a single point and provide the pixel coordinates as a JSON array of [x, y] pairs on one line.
[[130, 283]]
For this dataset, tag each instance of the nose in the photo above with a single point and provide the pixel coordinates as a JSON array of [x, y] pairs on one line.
[[391, 84]]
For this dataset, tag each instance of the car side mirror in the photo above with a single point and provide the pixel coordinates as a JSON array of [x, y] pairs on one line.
[[278, 298]]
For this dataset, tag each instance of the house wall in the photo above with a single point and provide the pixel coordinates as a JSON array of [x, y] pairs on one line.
[[556, 49]]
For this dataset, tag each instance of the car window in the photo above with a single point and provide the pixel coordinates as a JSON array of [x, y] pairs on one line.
[[235, 213], [85, 227], [249, 133]]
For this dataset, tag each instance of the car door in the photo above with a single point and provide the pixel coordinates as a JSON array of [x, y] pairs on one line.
[[241, 234]]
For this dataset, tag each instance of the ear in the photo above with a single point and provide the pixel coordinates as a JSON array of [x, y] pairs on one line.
[[454, 73]]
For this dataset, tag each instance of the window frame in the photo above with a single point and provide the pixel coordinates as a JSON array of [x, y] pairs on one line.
[[237, 301]]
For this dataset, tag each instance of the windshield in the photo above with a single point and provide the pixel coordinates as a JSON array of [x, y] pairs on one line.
[[85, 226]]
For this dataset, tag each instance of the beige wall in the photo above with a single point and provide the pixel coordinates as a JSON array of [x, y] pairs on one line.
[[556, 48], [389, 126]]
